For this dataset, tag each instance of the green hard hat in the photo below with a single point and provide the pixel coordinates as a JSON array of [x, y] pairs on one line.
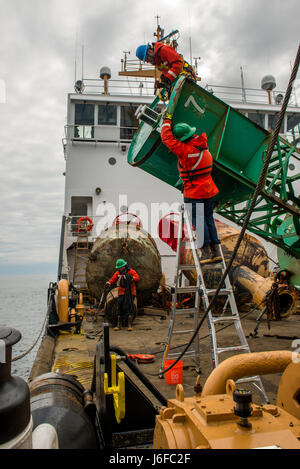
[[183, 131], [120, 263]]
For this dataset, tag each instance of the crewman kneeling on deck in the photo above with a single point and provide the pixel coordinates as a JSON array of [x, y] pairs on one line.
[[168, 61], [195, 166], [125, 278]]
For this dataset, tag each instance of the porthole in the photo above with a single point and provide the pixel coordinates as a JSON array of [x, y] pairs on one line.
[[112, 161]]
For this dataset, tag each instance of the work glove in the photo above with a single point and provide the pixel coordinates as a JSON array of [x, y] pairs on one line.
[[158, 85], [166, 82], [107, 285], [166, 115]]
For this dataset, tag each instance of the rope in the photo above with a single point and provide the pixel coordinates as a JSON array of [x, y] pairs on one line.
[[36, 341], [257, 191]]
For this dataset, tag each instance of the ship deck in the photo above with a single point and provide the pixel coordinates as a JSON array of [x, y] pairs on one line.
[[74, 353]]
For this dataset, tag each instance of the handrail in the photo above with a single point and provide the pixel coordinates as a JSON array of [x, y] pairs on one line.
[[61, 247], [223, 90], [253, 95]]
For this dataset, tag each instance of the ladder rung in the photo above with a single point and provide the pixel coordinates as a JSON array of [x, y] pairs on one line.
[[186, 267], [186, 311], [223, 291], [170, 355], [184, 332], [192, 289], [215, 260], [233, 349], [225, 318]]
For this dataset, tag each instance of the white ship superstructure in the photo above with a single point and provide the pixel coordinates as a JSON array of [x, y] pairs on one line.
[[100, 184]]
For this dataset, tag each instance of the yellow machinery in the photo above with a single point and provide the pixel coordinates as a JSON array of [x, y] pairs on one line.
[[223, 417]]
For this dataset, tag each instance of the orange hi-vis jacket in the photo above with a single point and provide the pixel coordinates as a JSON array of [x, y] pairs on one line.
[[194, 163], [116, 278], [168, 60]]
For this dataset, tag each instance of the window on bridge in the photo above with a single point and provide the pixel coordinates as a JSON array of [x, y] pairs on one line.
[[107, 114], [84, 120]]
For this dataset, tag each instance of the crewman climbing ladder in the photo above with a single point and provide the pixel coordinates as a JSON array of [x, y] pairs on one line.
[[195, 166]]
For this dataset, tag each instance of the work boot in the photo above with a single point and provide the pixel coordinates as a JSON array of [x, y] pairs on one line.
[[205, 253], [215, 250], [130, 321], [119, 324]]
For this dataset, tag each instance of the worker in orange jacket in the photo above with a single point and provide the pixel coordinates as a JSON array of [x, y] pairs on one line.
[[167, 60], [125, 278], [195, 165]]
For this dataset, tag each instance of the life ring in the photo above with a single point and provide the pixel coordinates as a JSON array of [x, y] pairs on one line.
[[137, 220], [168, 230], [85, 219]]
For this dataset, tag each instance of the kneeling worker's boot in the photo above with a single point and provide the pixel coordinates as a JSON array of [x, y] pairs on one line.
[[119, 324], [130, 321]]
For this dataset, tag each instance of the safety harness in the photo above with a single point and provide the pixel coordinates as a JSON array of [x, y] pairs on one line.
[[187, 68]]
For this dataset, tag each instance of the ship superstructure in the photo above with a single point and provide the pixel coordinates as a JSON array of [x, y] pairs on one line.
[[99, 183]]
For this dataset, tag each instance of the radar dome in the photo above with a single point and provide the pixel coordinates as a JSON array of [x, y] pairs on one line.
[[268, 83], [105, 72]]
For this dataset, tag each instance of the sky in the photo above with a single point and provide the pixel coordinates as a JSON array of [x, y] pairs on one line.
[[39, 42]]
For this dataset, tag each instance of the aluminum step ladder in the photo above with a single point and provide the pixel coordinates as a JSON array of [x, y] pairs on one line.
[[178, 289], [203, 293]]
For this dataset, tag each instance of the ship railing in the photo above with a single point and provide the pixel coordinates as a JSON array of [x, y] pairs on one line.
[[99, 133], [72, 226], [128, 65], [136, 86], [99, 223], [249, 95], [122, 134]]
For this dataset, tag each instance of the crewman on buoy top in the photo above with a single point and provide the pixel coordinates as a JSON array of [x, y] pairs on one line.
[[168, 61], [195, 166], [125, 278]]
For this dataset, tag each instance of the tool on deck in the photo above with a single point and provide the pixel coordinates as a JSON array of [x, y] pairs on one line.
[[201, 292], [141, 358]]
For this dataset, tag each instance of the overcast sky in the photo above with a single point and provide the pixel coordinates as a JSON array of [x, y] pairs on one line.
[[39, 41]]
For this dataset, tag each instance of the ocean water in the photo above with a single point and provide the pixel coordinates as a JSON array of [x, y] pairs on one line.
[[23, 306]]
